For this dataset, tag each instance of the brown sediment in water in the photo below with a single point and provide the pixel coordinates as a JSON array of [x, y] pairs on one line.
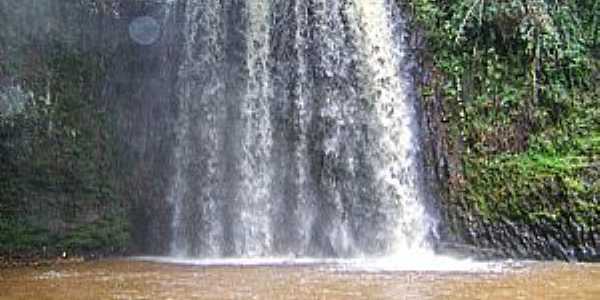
[[38, 261], [125, 279]]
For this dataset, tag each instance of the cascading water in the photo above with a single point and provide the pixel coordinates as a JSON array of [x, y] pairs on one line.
[[297, 132]]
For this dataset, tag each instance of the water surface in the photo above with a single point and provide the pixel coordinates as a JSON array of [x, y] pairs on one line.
[[280, 279]]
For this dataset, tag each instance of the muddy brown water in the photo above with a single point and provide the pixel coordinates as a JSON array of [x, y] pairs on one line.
[[132, 279]]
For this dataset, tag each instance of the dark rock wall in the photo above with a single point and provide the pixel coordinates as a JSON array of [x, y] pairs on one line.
[[485, 228]]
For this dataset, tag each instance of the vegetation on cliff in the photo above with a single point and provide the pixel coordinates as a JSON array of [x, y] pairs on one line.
[[58, 189], [81, 103], [515, 82]]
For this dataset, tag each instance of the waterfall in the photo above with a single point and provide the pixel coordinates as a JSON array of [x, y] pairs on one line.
[[297, 132], [253, 199]]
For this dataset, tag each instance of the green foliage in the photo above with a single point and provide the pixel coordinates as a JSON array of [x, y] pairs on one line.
[[18, 235], [518, 83], [108, 233], [57, 145], [513, 63]]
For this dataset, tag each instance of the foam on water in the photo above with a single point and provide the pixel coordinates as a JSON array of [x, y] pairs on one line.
[[420, 263]]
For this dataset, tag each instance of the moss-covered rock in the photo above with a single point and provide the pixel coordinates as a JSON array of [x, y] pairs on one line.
[[512, 124]]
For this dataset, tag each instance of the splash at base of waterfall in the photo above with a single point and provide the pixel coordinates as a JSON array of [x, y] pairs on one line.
[[297, 132], [421, 262]]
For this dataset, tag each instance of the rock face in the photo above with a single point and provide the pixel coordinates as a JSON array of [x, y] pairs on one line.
[[84, 96], [552, 220]]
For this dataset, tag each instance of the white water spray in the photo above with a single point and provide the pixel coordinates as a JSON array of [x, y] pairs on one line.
[[310, 148]]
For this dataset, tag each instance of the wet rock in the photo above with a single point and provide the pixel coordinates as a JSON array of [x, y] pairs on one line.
[[459, 250]]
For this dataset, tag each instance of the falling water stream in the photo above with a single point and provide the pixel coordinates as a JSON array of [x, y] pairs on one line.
[[296, 133]]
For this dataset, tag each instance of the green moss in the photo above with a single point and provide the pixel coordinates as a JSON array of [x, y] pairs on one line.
[[56, 156], [19, 235], [531, 186], [108, 233]]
